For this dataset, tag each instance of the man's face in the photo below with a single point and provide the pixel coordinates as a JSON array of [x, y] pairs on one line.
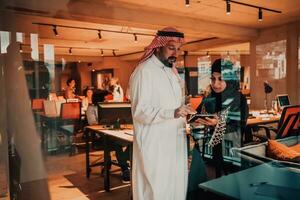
[[169, 53]]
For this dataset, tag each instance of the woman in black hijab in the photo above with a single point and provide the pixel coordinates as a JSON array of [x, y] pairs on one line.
[[224, 96], [231, 111]]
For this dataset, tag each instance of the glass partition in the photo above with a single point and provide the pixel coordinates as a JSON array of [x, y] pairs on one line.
[[204, 65], [270, 69]]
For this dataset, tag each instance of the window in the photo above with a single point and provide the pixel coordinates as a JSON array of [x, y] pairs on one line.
[[271, 60]]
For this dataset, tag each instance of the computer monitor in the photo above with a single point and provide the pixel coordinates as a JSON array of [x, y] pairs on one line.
[[283, 100], [110, 113], [99, 96]]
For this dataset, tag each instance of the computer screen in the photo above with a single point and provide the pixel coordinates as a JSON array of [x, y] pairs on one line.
[[111, 112], [283, 100]]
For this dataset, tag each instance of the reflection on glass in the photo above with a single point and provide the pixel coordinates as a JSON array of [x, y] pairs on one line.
[[34, 46], [50, 62], [204, 64], [4, 40], [20, 37], [271, 60]]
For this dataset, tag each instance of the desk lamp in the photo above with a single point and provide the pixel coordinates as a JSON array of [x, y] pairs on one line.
[[268, 89]]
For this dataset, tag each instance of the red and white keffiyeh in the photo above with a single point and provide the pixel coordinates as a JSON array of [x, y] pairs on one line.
[[161, 39]]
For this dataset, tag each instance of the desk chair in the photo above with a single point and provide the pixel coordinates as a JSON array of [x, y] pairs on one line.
[[37, 105], [288, 124], [71, 125]]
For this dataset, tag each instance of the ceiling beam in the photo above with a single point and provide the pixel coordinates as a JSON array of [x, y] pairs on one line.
[[115, 13], [208, 44]]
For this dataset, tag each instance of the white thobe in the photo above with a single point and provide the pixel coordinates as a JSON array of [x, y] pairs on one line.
[[159, 169]]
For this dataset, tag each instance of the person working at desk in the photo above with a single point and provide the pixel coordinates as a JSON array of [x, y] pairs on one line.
[[88, 98], [231, 110], [70, 90], [160, 166], [122, 156]]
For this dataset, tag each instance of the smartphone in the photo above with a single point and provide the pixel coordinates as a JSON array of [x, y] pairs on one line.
[[202, 116]]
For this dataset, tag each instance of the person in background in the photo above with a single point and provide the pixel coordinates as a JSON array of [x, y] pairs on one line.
[[160, 165], [105, 83], [88, 98], [70, 90], [116, 90], [121, 155], [231, 113]]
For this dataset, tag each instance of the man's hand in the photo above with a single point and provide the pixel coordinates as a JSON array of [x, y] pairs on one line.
[[183, 111]]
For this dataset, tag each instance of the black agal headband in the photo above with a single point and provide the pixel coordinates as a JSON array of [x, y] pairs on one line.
[[170, 34]]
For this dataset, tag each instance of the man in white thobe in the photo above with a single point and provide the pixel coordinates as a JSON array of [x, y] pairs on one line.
[[160, 168]]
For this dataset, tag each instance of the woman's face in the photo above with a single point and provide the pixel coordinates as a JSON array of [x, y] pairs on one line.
[[217, 84], [72, 84], [89, 93]]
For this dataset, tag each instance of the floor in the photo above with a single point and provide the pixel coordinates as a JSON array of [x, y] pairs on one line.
[[67, 180]]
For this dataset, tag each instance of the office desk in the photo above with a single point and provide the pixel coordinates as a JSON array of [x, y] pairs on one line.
[[266, 181], [259, 120], [121, 135], [254, 122]]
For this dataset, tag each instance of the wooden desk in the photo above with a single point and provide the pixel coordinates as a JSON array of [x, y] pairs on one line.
[[259, 120], [121, 135], [254, 122]]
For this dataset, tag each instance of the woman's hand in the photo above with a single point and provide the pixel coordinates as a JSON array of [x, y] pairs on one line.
[[207, 122]]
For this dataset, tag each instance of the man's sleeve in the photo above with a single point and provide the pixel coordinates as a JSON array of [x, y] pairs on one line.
[[141, 93]]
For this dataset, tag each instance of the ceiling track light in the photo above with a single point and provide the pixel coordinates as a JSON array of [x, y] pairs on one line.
[[99, 34], [260, 14], [135, 38], [114, 53], [228, 7], [260, 9], [55, 26], [187, 3], [70, 49], [207, 54], [55, 30]]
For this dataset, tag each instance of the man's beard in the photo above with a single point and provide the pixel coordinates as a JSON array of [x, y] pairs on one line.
[[169, 61]]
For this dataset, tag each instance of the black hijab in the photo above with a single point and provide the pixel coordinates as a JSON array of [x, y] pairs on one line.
[[216, 102]]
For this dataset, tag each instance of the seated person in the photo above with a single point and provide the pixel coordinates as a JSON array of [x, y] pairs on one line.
[[122, 156], [70, 90], [116, 90], [87, 100]]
